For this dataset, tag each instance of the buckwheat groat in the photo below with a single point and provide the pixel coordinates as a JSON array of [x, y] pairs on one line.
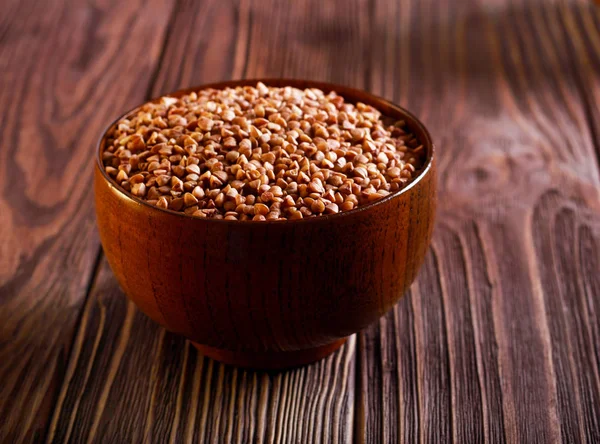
[[260, 153]]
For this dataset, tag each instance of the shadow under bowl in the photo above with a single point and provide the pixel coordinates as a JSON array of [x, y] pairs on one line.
[[270, 294]]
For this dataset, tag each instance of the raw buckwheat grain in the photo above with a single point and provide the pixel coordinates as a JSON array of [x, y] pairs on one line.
[[260, 153]]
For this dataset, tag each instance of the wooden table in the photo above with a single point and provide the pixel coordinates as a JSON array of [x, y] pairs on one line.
[[498, 340]]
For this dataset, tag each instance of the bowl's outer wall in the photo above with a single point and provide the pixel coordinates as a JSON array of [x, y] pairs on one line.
[[266, 286]]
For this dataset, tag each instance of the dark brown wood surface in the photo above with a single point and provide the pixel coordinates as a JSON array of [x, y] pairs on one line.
[[499, 338]]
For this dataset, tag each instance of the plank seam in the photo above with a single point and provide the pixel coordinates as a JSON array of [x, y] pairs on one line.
[[163, 50], [358, 417], [88, 291]]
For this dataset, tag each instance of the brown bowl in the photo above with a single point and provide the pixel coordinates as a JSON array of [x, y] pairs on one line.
[[270, 294]]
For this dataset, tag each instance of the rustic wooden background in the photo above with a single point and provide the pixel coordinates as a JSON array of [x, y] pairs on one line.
[[497, 341]]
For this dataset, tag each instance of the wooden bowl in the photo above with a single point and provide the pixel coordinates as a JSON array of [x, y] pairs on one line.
[[270, 294]]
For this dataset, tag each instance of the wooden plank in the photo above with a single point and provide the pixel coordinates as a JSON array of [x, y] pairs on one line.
[[498, 339], [65, 69], [128, 380]]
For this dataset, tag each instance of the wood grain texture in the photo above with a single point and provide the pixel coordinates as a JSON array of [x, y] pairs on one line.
[[498, 340], [130, 381], [65, 68]]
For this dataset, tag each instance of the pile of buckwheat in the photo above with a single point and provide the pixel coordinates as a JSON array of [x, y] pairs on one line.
[[260, 153]]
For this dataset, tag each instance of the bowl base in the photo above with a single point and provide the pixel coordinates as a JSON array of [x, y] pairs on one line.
[[270, 360]]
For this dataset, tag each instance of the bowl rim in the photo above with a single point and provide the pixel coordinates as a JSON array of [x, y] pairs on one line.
[[342, 90]]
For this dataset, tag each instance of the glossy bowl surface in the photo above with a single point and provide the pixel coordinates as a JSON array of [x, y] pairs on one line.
[[270, 294]]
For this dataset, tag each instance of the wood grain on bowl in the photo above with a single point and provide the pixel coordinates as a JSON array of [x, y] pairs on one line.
[[275, 289]]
